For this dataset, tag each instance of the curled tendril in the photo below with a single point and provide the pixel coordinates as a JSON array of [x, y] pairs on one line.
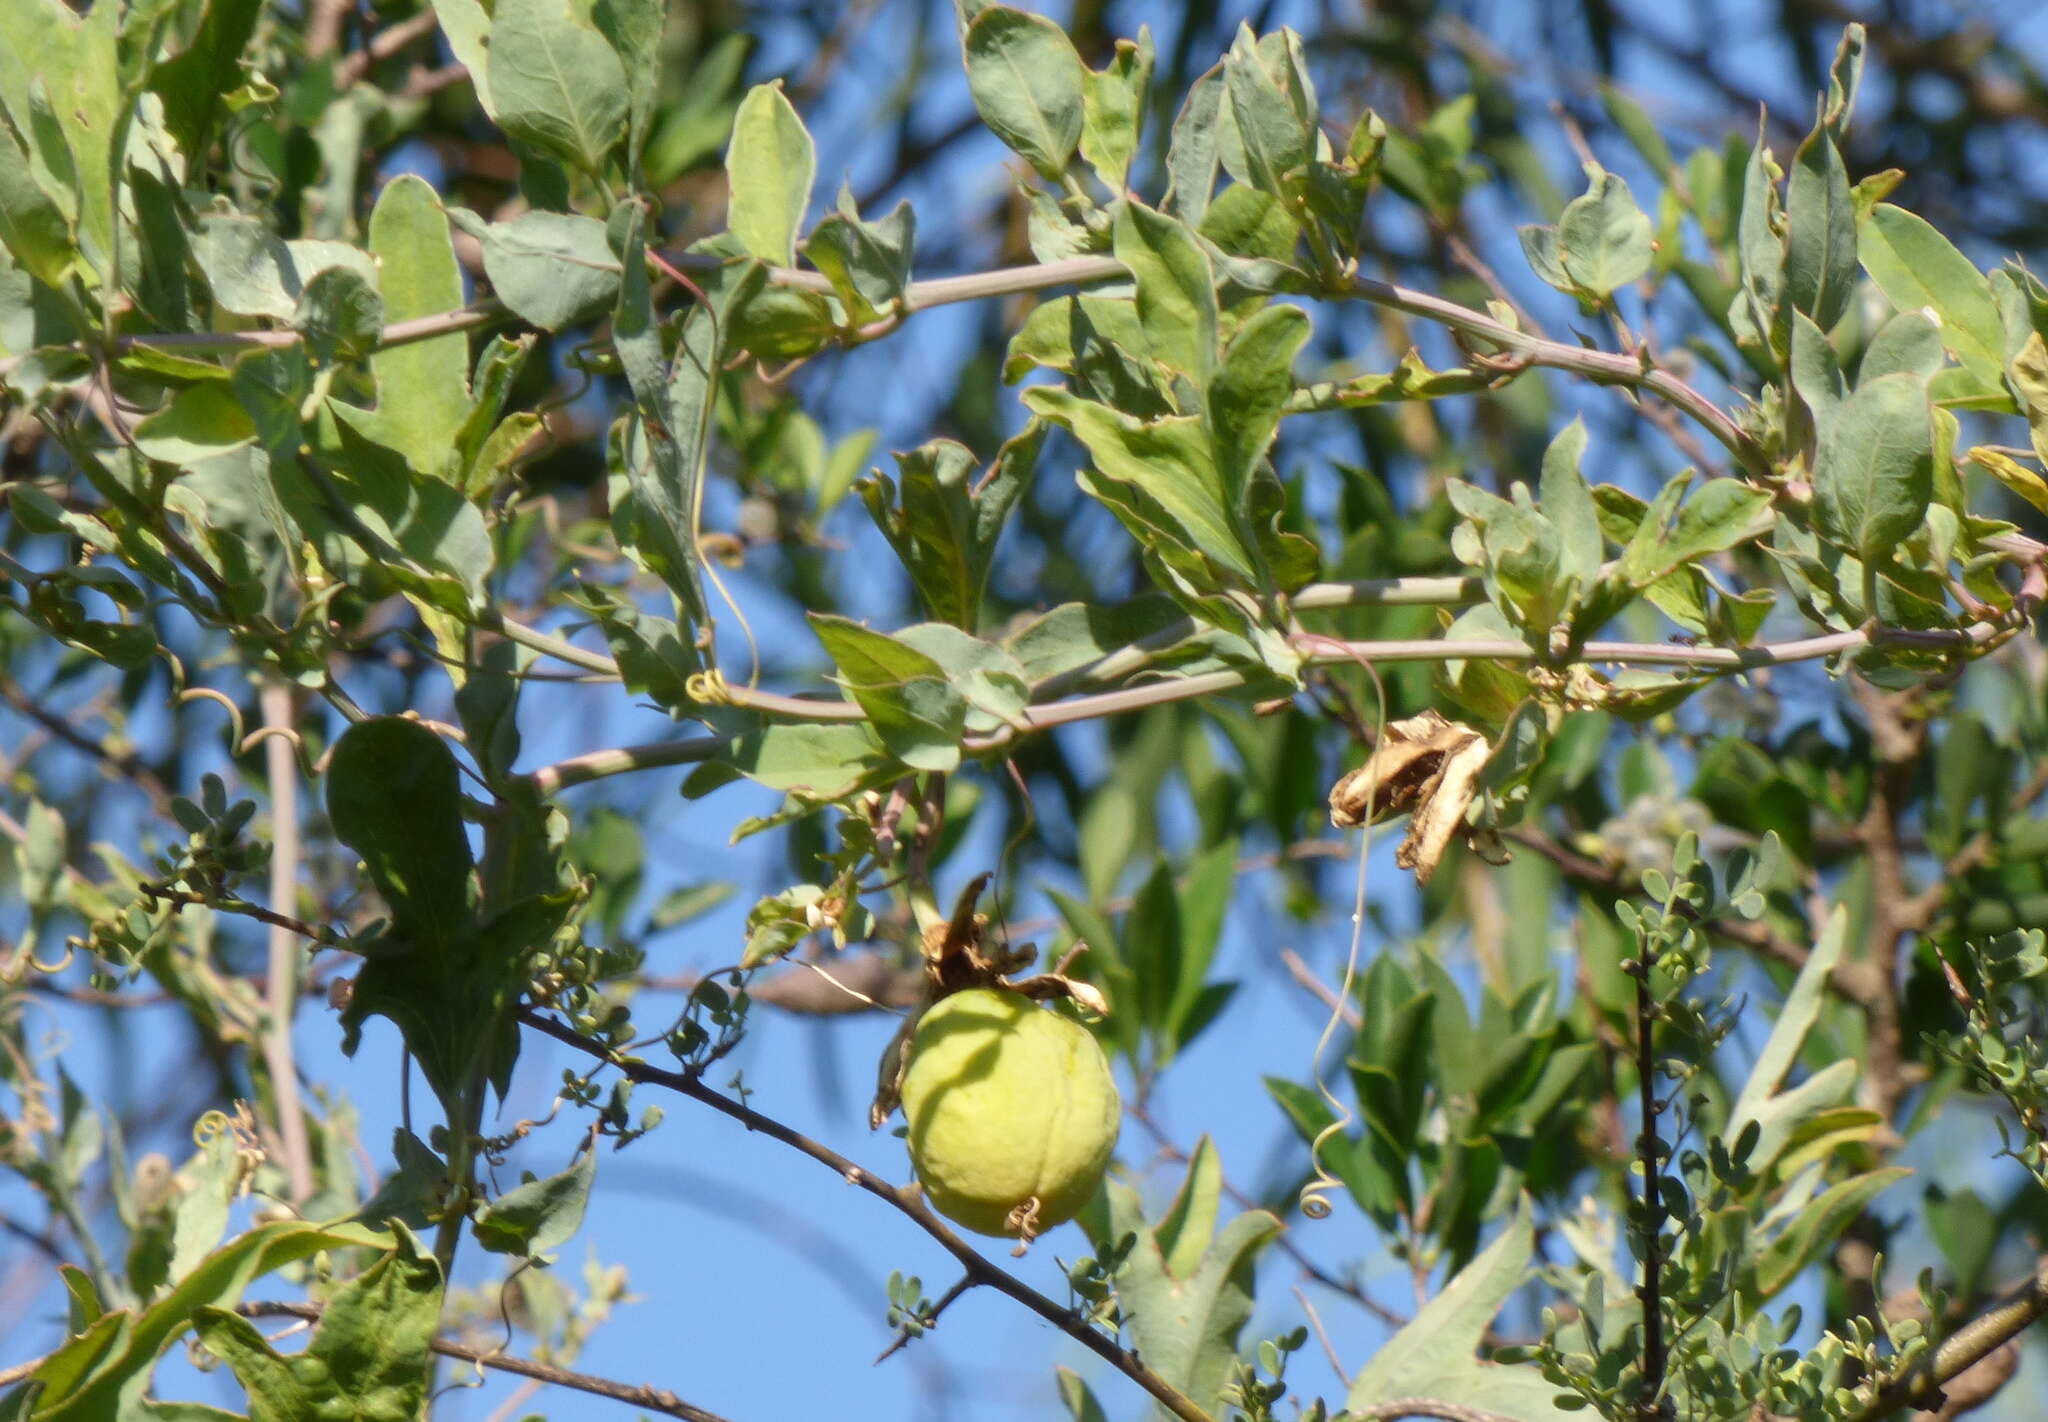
[[52, 969], [263, 733], [708, 687], [1314, 1197], [207, 693]]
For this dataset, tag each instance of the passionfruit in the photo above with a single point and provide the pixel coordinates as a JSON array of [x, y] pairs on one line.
[[1013, 1113]]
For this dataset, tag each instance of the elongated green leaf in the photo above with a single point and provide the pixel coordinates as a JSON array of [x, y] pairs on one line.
[[538, 1216], [944, 523], [395, 798], [771, 164], [1820, 235], [1167, 465], [1272, 106], [1176, 290], [467, 26], [823, 762], [868, 262], [1568, 503], [1249, 392], [422, 387], [1193, 157], [1819, 1225], [90, 1378], [1918, 269], [1788, 1034], [555, 82], [1113, 110], [1875, 474], [32, 227], [192, 83], [1027, 84], [200, 422], [633, 27]]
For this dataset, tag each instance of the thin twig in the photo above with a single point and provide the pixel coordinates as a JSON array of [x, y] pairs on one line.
[[928, 1321], [907, 1200]]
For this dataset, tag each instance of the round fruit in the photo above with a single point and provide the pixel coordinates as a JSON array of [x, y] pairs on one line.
[[1012, 1111]]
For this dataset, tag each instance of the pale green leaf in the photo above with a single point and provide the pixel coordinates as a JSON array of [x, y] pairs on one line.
[[771, 163]]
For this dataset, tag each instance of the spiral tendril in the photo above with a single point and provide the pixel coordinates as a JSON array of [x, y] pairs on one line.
[[1314, 1198]]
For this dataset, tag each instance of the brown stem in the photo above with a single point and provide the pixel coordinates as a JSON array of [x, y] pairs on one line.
[[1979, 1338], [1651, 1405], [907, 1200]]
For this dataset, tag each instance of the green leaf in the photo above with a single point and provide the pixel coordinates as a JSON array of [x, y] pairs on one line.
[[1918, 269], [1272, 106], [1194, 155], [1820, 235], [538, 1216], [1819, 1225], [2025, 482], [1027, 84], [2028, 372], [1176, 290], [32, 226], [1908, 342], [1817, 372], [914, 706], [466, 25], [633, 27], [1721, 514], [943, 524], [1568, 503], [551, 269], [821, 762], [1167, 473], [1187, 1296], [340, 314], [555, 83], [1435, 1354], [395, 798], [422, 387], [1113, 110], [665, 446], [370, 1354], [199, 422], [92, 1376], [1603, 238], [192, 83], [1788, 1034], [1875, 473], [868, 262], [1249, 392], [987, 676], [771, 163]]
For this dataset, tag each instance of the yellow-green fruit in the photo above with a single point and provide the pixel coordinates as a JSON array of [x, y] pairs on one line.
[[1007, 1103]]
